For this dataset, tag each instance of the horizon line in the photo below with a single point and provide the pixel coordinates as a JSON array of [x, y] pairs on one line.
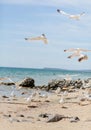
[[51, 68]]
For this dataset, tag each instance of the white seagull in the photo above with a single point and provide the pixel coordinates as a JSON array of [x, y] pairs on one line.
[[78, 53], [71, 16], [42, 38]]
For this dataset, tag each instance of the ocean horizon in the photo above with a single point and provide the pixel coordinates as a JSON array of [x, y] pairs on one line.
[[42, 75]]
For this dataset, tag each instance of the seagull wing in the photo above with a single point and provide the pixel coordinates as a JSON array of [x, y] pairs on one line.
[[85, 50], [64, 13], [70, 50]]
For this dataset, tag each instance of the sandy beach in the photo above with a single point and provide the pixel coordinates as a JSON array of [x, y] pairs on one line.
[[17, 113]]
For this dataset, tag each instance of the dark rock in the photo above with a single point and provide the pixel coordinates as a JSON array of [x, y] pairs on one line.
[[55, 118], [32, 106], [21, 115], [44, 115], [8, 83], [7, 115], [5, 96], [24, 93], [27, 82]]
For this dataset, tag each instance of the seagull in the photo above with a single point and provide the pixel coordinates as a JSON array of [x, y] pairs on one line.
[[71, 16], [87, 95], [58, 90], [68, 77], [78, 53], [42, 38], [31, 97]]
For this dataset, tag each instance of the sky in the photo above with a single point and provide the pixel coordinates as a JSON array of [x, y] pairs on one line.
[[31, 18]]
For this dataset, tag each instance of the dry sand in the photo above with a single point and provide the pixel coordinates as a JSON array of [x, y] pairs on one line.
[[17, 114]]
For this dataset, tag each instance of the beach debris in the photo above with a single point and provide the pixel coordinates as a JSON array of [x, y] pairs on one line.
[[23, 93], [71, 16], [42, 38], [77, 52], [74, 119], [7, 115], [21, 115], [5, 96], [64, 107], [47, 100], [32, 106], [45, 115], [55, 118]]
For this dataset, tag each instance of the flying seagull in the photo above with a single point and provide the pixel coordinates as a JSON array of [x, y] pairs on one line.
[[78, 53], [71, 16], [42, 38]]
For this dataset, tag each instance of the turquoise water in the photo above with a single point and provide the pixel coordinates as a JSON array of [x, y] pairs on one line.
[[41, 76]]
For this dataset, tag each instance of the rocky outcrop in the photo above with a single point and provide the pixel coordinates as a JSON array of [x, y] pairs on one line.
[[64, 84]]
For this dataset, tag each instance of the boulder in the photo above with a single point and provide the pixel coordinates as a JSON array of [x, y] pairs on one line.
[[27, 82]]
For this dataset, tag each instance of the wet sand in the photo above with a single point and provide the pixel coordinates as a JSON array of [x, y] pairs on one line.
[[17, 114]]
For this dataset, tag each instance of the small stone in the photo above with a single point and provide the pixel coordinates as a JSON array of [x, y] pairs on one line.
[[43, 115], [56, 118]]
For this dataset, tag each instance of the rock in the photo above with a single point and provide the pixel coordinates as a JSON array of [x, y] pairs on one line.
[[65, 85], [7, 115], [44, 115], [5, 96], [27, 82], [55, 118], [32, 106], [55, 84], [21, 115], [8, 83]]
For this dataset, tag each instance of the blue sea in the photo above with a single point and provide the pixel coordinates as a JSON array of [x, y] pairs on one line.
[[41, 76]]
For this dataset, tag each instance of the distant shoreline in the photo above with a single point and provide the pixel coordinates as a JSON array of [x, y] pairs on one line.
[[47, 68]]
